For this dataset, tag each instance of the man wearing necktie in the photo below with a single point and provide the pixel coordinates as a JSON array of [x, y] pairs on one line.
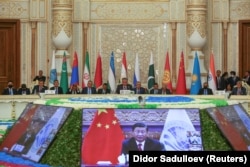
[[205, 90], [124, 86], [140, 140], [57, 88], [9, 90], [89, 89], [155, 90], [40, 88], [139, 89], [239, 89], [218, 80]]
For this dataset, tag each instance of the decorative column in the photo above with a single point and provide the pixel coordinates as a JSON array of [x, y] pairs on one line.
[[196, 32], [62, 29], [173, 27], [225, 36]]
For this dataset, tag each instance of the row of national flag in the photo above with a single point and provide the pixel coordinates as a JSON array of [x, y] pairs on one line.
[[98, 80]]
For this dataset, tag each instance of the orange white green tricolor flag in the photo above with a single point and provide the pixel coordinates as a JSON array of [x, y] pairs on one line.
[[211, 75]]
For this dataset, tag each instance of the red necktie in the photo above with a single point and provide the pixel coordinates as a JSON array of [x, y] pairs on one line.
[[140, 147]]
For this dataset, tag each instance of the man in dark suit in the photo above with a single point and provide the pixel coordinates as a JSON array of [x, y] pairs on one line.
[[164, 90], [89, 89], [140, 141], [124, 86], [233, 79], [139, 89], [205, 90], [57, 88], [104, 89], [23, 90], [74, 90], [246, 77], [40, 88], [239, 89], [10, 90], [155, 90]]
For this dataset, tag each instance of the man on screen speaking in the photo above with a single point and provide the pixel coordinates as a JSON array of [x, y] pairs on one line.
[[140, 141]]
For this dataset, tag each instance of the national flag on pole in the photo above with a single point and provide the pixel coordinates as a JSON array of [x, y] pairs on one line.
[[196, 77], [53, 72], [75, 73], [181, 81], [137, 70], [64, 75], [124, 69], [111, 75], [98, 72], [151, 73], [86, 72], [103, 140], [211, 75], [167, 74]]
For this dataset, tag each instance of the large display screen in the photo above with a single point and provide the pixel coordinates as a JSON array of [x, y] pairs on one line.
[[234, 123], [34, 130], [105, 131]]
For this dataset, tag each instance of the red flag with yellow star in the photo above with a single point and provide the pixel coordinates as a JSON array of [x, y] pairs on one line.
[[103, 140]]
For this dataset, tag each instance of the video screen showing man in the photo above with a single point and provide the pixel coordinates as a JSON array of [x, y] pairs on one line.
[[140, 140]]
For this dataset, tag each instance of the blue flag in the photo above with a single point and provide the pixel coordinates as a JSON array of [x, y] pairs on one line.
[[196, 77], [111, 75], [53, 72]]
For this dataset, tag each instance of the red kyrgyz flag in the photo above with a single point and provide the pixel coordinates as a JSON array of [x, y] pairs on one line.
[[98, 72], [181, 82], [103, 140], [167, 74]]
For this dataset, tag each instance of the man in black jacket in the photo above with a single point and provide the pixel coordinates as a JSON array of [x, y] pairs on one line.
[[140, 141], [205, 90]]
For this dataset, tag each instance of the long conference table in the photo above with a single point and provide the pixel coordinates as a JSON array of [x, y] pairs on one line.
[[11, 106]]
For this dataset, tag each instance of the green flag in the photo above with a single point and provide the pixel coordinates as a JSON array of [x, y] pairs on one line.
[[151, 73], [64, 75], [86, 72]]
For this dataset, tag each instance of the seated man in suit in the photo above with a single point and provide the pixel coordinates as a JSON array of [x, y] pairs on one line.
[[124, 86], [74, 89], [140, 141], [164, 90], [23, 90], [239, 89], [40, 88], [104, 89], [155, 90], [89, 89], [57, 88], [9, 90], [205, 90], [139, 89]]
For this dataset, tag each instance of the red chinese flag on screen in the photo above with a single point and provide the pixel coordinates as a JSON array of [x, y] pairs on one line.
[[230, 132], [181, 82], [98, 72], [103, 140]]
